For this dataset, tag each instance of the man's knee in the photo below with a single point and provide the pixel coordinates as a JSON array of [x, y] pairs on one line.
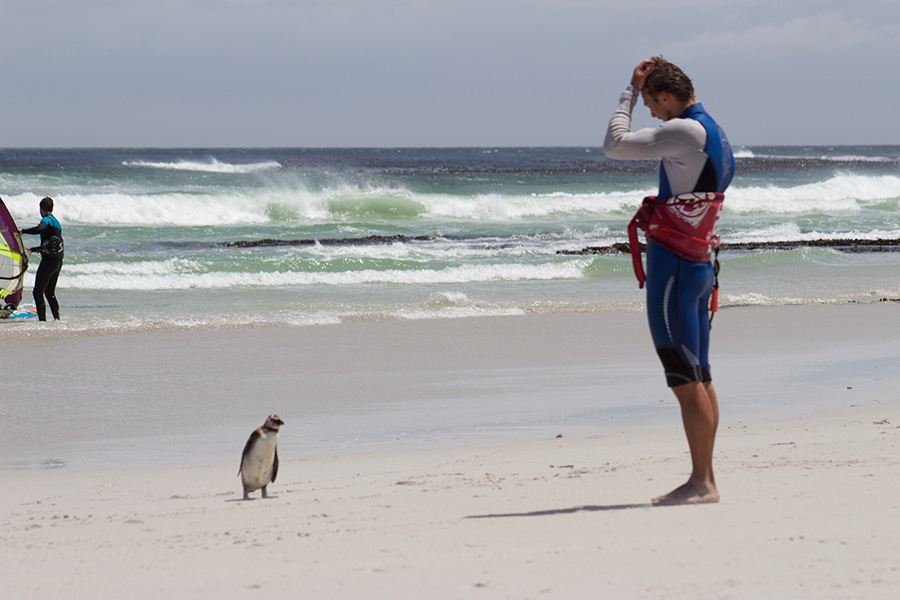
[[678, 370]]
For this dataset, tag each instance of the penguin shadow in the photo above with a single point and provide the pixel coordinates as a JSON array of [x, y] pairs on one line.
[[269, 497], [246, 498], [563, 511]]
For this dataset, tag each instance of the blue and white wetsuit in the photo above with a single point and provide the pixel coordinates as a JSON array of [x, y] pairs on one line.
[[696, 157]]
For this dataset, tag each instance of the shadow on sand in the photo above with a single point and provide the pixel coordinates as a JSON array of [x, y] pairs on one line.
[[564, 511]]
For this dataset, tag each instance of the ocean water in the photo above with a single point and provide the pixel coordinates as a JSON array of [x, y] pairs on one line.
[[150, 234]]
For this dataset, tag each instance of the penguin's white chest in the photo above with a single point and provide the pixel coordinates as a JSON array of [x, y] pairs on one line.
[[256, 466]]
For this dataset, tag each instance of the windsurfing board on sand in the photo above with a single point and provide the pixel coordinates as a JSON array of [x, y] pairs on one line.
[[24, 311]]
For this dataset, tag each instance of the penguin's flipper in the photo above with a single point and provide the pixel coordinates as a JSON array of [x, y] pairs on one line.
[[275, 465]]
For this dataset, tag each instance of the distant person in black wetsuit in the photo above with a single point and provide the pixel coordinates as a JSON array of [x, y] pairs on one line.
[[52, 252]]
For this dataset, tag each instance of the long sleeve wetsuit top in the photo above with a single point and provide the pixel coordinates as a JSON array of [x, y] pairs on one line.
[[692, 160]]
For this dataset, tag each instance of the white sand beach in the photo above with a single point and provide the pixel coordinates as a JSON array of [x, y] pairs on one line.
[[810, 505]]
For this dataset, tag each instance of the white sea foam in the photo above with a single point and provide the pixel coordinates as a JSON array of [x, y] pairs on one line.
[[802, 156], [433, 250], [176, 274], [839, 194], [755, 299], [445, 299], [184, 209], [171, 266], [789, 231], [210, 166], [321, 206], [457, 312]]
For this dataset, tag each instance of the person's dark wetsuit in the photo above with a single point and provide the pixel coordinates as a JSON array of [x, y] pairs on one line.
[[52, 253]]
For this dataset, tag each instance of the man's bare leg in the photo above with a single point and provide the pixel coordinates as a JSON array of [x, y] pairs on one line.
[[700, 415]]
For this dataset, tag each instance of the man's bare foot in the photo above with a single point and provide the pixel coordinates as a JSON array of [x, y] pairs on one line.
[[689, 493]]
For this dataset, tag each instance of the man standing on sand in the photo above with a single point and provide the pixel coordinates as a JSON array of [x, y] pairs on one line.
[[697, 165]]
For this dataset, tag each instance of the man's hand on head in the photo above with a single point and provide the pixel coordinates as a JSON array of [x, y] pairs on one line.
[[639, 78]]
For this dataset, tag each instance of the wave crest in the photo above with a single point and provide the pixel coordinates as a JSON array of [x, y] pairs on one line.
[[841, 193], [210, 166]]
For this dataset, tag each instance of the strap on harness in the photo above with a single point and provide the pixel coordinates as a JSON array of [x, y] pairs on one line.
[[714, 298], [641, 220]]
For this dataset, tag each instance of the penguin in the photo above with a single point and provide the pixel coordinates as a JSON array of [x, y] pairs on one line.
[[259, 463]]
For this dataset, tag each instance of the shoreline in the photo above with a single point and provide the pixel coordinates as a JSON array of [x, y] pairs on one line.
[[167, 396]]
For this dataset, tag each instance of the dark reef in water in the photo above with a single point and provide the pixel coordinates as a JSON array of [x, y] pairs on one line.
[[880, 245], [842, 245], [372, 239]]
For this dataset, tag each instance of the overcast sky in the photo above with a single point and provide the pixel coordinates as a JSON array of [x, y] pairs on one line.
[[345, 73]]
